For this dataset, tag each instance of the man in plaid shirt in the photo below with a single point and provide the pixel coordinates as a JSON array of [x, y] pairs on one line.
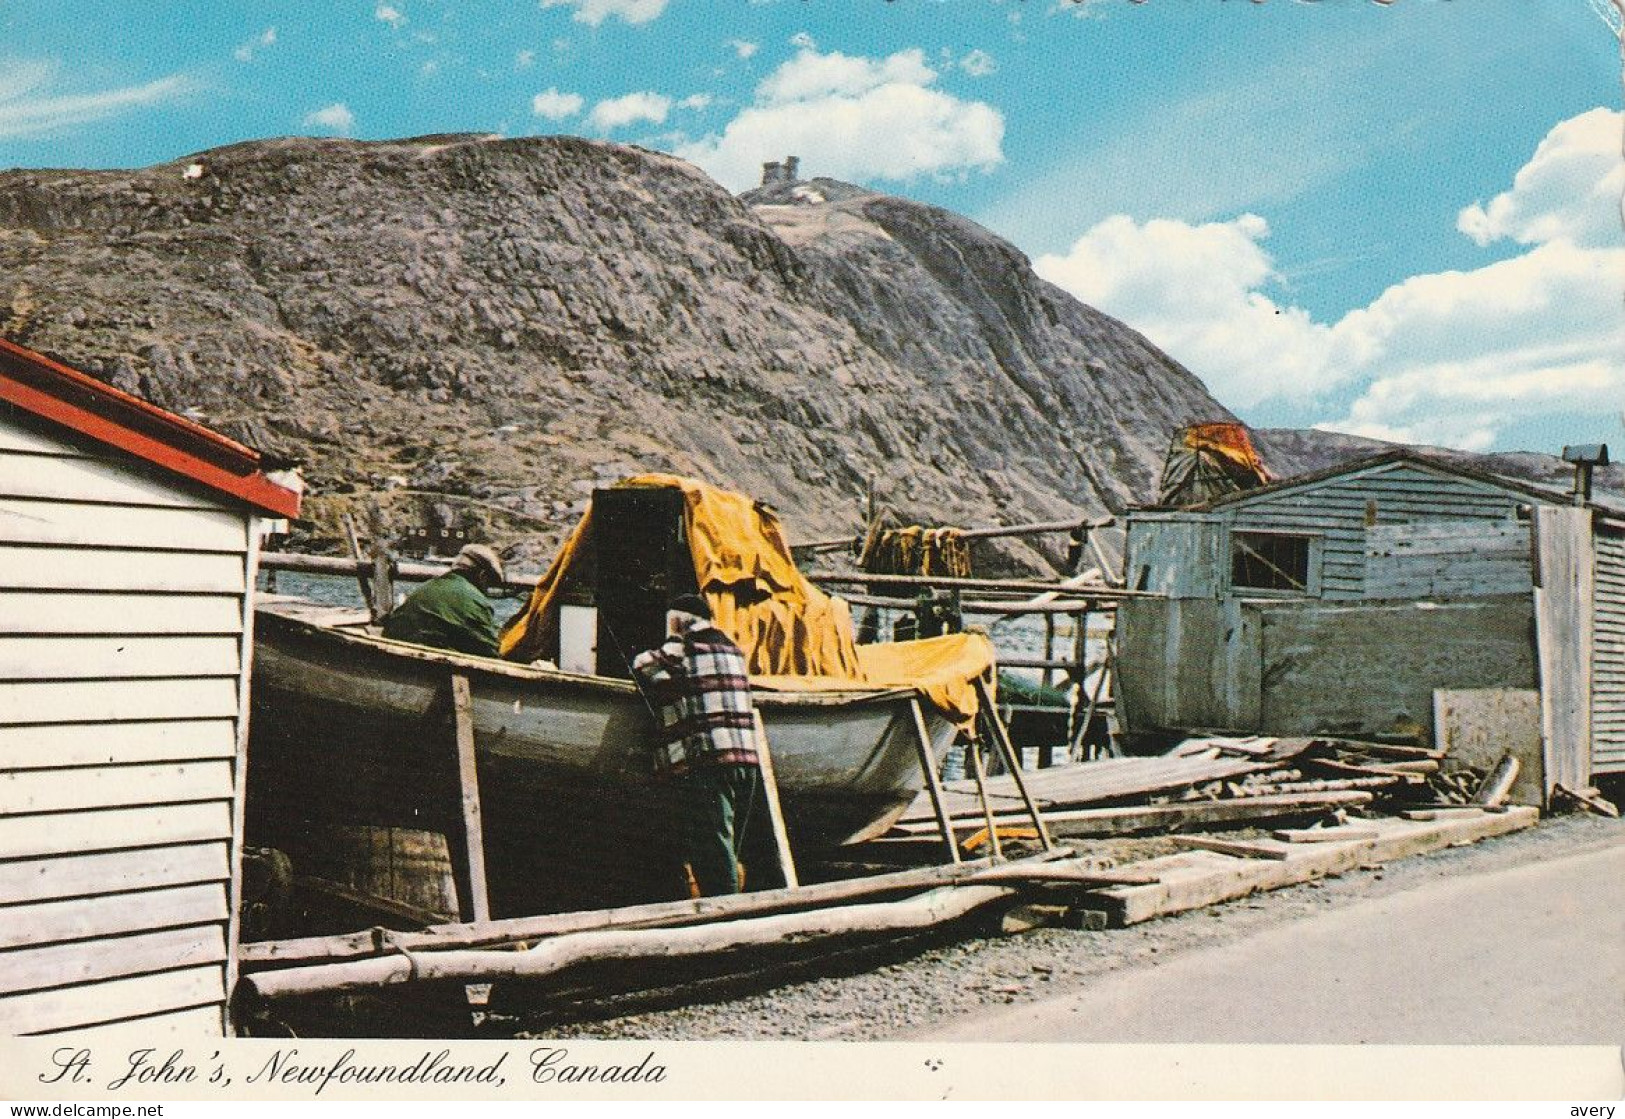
[[699, 684]]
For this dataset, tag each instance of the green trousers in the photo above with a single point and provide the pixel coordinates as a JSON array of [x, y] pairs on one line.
[[725, 823]]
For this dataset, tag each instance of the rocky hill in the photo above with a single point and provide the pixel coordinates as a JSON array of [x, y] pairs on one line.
[[480, 330]]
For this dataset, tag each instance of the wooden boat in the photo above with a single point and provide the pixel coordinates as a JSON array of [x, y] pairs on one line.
[[351, 728]]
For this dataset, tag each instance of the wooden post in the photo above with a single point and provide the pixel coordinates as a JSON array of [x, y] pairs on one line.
[[1078, 672], [383, 584], [467, 845], [928, 766], [1106, 667], [361, 580], [781, 837], [1049, 647], [974, 752], [1002, 738]]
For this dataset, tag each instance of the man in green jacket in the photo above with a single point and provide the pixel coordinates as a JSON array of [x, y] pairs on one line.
[[451, 611]]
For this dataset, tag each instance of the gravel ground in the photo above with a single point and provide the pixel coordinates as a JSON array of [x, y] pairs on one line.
[[898, 994]]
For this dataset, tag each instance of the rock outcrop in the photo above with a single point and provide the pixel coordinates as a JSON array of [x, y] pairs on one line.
[[484, 329]]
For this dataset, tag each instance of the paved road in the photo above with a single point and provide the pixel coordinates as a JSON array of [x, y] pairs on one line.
[[1529, 955]]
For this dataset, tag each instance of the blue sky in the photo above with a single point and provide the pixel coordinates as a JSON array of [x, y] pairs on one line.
[[1399, 219]]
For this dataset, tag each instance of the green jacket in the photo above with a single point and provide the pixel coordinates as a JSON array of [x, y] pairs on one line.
[[448, 612]]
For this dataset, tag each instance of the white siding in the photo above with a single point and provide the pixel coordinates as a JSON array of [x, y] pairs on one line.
[[122, 660], [1608, 655]]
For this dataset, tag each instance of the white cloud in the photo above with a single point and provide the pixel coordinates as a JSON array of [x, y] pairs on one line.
[[554, 105], [389, 14], [978, 63], [744, 48], [854, 118], [595, 12], [247, 51], [803, 41], [27, 108], [1557, 193], [525, 59], [696, 101], [618, 112], [1196, 292], [1454, 358], [336, 118]]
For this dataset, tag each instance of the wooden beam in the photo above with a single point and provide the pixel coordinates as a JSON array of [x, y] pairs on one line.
[[558, 953], [1012, 761], [770, 786], [1080, 823], [468, 847], [1201, 878], [660, 914], [1232, 847], [1323, 835], [928, 766]]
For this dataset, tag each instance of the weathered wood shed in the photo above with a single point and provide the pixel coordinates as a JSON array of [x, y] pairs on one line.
[[128, 545], [1339, 602]]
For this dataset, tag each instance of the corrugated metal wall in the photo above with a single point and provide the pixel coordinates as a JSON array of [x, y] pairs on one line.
[[122, 654], [1608, 654]]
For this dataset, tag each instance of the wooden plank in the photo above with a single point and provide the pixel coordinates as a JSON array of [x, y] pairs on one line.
[[106, 701], [1563, 616], [71, 1007], [60, 965], [1192, 881], [19, 439], [114, 829], [775, 811], [473, 899], [1098, 822], [1323, 835], [155, 1029], [122, 483], [116, 658], [61, 745], [933, 788], [650, 915], [50, 568], [1232, 847], [36, 880], [65, 612], [67, 790], [112, 914], [83, 524]]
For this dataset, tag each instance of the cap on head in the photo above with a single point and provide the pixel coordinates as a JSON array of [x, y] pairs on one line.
[[479, 557], [691, 604]]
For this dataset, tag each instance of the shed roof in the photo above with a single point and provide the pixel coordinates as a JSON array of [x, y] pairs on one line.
[[1371, 462], [67, 398]]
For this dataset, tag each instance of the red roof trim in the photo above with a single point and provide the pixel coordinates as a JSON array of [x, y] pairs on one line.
[[65, 396]]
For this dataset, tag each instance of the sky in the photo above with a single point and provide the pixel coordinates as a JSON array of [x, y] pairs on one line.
[[1395, 218]]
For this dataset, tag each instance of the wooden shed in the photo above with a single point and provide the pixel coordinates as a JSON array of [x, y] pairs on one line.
[[1343, 602], [128, 545]]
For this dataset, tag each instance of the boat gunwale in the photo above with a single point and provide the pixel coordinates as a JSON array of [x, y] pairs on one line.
[[764, 694]]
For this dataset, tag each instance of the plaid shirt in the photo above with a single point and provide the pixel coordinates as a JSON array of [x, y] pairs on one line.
[[700, 683]]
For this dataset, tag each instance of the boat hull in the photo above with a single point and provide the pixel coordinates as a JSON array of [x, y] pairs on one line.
[[350, 730]]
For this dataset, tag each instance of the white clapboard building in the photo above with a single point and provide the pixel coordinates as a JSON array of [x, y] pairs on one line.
[[128, 546]]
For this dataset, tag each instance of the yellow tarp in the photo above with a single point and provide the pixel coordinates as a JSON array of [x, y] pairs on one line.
[[793, 634]]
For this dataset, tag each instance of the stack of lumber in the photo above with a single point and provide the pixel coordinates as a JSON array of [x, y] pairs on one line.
[[1211, 781]]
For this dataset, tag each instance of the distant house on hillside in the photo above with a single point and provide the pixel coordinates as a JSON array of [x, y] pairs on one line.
[[1339, 603], [128, 544]]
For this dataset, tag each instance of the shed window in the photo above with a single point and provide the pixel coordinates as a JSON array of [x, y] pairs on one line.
[[1270, 561]]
